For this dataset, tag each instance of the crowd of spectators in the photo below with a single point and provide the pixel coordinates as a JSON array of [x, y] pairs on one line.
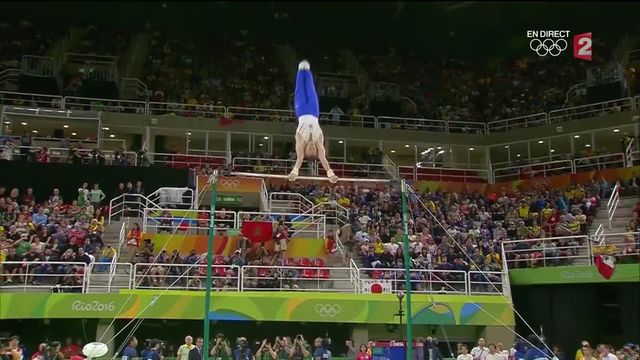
[[18, 38], [33, 232]]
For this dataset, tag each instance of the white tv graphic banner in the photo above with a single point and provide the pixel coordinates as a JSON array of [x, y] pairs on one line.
[[375, 286]]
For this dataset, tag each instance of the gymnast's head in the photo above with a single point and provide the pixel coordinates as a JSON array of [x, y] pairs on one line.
[[311, 151]]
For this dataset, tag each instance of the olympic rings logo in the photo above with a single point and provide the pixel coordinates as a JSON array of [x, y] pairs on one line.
[[328, 310], [548, 46], [229, 183]]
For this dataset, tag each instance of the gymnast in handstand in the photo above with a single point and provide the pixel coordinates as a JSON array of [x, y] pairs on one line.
[[309, 136]]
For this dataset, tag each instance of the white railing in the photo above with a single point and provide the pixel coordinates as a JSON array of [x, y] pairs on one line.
[[348, 120], [257, 114], [354, 276], [599, 162], [422, 281], [174, 197], [185, 276], [260, 165], [64, 155], [612, 204], [521, 122], [130, 205], [289, 202], [570, 250], [108, 277], [466, 127], [180, 161], [424, 172], [390, 122], [624, 246], [297, 278], [597, 236], [486, 282], [544, 169], [30, 100], [336, 214], [209, 111], [361, 170], [185, 221], [106, 105], [59, 275], [628, 153], [314, 224], [264, 197], [590, 110]]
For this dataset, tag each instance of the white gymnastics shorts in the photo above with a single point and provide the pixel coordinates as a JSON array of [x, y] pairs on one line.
[[309, 128]]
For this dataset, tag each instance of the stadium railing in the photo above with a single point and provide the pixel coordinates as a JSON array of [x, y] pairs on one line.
[[624, 246], [184, 276], [521, 122], [314, 225], [186, 110], [421, 172], [29, 275], [62, 155], [185, 221], [297, 278], [612, 204], [289, 202], [578, 251], [106, 105], [390, 122], [181, 161], [422, 281], [590, 110], [599, 162], [543, 169], [174, 197]]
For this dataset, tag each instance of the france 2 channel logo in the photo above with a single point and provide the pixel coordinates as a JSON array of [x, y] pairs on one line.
[[554, 43]]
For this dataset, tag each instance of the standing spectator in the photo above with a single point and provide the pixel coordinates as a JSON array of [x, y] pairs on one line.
[[363, 353], [133, 242], [493, 353], [184, 349], [221, 350], [580, 352], [96, 196], [320, 352], [266, 352], [558, 353], [70, 348], [351, 350], [108, 253], [196, 352], [242, 352], [7, 151], [130, 352], [479, 352], [431, 351], [281, 237], [605, 352], [464, 353]]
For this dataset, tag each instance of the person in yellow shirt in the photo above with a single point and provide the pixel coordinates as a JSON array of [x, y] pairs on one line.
[[184, 349], [108, 253], [546, 212], [344, 201], [378, 247], [523, 210]]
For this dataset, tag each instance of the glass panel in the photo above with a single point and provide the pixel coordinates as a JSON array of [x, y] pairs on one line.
[[262, 144], [217, 143], [609, 141], [284, 147], [240, 144], [432, 155], [499, 156], [357, 150], [336, 149], [477, 157], [197, 142], [519, 153], [400, 153], [561, 147], [539, 150], [582, 144]]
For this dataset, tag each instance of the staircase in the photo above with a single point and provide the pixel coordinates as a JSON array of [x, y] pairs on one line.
[[620, 220]]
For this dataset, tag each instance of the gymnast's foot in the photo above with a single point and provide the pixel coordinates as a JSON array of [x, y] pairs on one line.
[[332, 177], [293, 175], [304, 65]]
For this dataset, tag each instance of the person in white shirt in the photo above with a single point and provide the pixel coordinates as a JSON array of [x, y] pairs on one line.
[[605, 352], [493, 353], [480, 352], [464, 353], [500, 350], [184, 349]]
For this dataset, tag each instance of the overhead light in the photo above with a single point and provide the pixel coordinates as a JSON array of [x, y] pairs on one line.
[[506, 146], [616, 130], [105, 128], [7, 122], [406, 145], [112, 136], [340, 142], [23, 123], [188, 134], [518, 155], [261, 144], [439, 148], [266, 138], [65, 126], [74, 134], [441, 152], [540, 141], [471, 149], [426, 151], [34, 131], [553, 150], [576, 136], [588, 145], [393, 151]]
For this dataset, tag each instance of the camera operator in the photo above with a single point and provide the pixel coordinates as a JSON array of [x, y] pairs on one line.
[[282, 347], [154, 352], [221, 350], [53, 351], [321, 351], [242, 351], [130, 352], [301, 350], [266, 352], [13, 351]]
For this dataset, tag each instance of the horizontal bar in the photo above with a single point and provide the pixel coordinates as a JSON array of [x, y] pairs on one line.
[[314, 178]]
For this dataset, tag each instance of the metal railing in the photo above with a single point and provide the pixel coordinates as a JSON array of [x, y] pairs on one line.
[[106, 105], [599, 162], [64, 155], [174, 197], [348, 120], [612, 204], [185, 276], [544, 169], [361, 170], [422, 281], [185, 222], [130, 205], [486, 282], [108, 277], [31, 100], [624, 246], [521, 122], [443, 174], [257, 114], [590, 110], [335, 213], [466, 127], [390, 122], [289, 202], [208, 111], [570, 250], [179, 161], [261, 165], [59, 276], [297, 278], [314, 224]]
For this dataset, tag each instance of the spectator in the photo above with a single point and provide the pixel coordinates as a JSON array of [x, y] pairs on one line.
[[363, 353], [196, 352], [464, 354], [133, 242], [130, 352], [479, 352], [96, 196]]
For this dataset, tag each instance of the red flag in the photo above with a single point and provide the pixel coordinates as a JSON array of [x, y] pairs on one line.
[[605, 264], [257, 231]]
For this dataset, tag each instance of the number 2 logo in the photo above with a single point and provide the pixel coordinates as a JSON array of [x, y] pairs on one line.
[[582, 44]]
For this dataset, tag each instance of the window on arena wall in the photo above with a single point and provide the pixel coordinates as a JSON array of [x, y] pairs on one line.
[[582, 144], [539, 150], [608, 140], [336, 149], [217, 144], [560, 147], [283, 145], [240, 143], [196, 142]]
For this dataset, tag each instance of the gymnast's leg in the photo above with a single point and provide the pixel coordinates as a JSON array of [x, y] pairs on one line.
[[322, 156], [305, 97], [300, 146]]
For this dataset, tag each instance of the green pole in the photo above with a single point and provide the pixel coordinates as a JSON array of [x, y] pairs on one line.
[[213, 180], [407, 271]]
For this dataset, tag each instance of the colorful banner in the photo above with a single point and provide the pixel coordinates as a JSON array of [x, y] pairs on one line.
[[552, 182], [573, 275], [233, 185], [226, 244], [260, 306]]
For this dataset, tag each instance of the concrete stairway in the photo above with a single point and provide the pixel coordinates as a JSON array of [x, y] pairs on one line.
[[620, 219]]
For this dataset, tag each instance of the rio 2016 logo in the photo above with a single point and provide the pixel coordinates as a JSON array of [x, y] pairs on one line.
[[94, 306]]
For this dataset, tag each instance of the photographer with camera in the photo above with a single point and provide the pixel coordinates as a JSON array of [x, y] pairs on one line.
[[282, 348], [300, 350], [12, 350], [221, 350], [53, 352], [242, 351], [266, 352], [321, 351]]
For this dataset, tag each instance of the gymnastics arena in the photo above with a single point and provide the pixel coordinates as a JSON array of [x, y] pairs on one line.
[[319, 180]]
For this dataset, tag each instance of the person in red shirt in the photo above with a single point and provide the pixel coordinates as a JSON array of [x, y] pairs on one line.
[[363, 354], [133, 242], [69, 349], [330, 242]]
